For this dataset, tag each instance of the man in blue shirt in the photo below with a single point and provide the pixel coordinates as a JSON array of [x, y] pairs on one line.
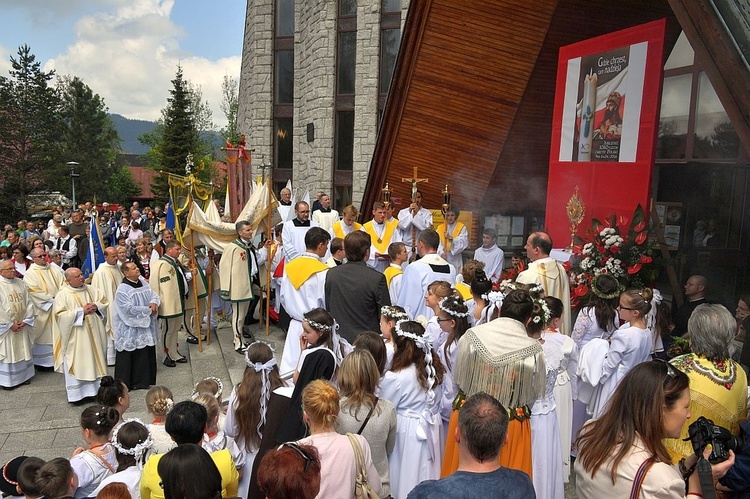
[[481, 433]]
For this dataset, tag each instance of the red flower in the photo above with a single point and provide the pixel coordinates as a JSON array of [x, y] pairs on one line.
[[641, 225], [581, 290], [577, 249], [635, 269], [614, 249], [622, 222], [566, 266], [645, 259], [641, 238]]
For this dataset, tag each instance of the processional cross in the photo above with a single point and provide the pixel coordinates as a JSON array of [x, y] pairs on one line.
[[414, 181]]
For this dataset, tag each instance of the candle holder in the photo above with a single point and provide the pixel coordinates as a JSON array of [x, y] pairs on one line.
[[385, 195], [446, 199], [575, 211]]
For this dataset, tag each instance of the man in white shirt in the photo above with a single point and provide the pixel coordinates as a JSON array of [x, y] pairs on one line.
[[293, 234], [325, 216], [67, 247], [491, 255], [383, 233]]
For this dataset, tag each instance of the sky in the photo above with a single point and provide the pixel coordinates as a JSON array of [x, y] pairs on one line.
[[127, 51]]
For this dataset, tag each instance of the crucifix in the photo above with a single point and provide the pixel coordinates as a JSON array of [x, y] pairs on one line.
[[414, 181]]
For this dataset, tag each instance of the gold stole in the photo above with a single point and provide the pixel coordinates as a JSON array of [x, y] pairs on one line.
[[464, 290], [390, 273], [338, 230], [381, 243], [441, 232], [301, 269]]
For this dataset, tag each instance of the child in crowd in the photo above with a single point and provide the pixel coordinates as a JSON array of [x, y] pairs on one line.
[[113, 393], [215, 439], [248, 403], [481, 287], [453, 318], [214, 387], [19, 477], [133, 443], [563, 392], [373, 343], [159, 401], [413, 385], [546, 450], [389, 316], [99, 460], [57, 480], [436, 292], [394, 273]]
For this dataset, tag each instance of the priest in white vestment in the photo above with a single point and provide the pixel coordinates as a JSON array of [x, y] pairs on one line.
[[411, 222], [420, 274], [548, 272], [293, 233], [16, 329], [303, 289], [43, 282], [382, 233], [454, 239], [325, 216], [491, 255], [107, 278], [285, 204], [80, 340]]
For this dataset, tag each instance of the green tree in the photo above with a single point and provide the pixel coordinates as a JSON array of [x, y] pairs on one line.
[[121, 186], [230, 103], [30, 131], [90, 139], [177, 135]]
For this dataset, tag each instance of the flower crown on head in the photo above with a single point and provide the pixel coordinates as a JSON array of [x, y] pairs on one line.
[[318, 325], [424, 344], [139, 451], [605, 296], [445, 304], [393, 313], [218, 392]]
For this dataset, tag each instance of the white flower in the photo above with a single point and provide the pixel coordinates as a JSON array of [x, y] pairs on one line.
[[588, 248]]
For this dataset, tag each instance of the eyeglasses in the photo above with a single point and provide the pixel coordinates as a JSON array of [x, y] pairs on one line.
[[40, 256], [620, 307], [671, 371], [304, 455]]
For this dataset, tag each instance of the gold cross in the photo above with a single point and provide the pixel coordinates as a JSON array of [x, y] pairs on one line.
[[414, 181]]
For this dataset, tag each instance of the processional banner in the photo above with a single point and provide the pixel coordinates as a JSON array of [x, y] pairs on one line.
[[604, 127]]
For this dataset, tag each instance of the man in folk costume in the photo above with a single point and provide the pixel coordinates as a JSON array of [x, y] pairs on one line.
[[491, 255], [347, 224], [412, 221], [325, 215], [80, 337], [293, 234], [454, 238], [394, 274], [239, 271], [420, 274], [548, 272], [382, 233], [500, 359], [170, 281], [16, 328], [43, 282], [107, 278], [303, 289], [191, 319]]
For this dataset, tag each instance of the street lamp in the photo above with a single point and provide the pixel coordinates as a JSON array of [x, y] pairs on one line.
[[73, 176]]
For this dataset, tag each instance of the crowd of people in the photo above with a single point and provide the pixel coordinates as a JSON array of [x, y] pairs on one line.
[[406, 371]]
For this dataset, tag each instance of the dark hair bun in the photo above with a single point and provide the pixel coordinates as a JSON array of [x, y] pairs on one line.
[[479, 275]]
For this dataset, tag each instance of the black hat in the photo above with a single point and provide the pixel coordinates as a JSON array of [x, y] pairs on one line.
[[9, 478]]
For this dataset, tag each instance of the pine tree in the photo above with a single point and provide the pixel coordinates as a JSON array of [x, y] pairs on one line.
[[174, 138], [30, 133]]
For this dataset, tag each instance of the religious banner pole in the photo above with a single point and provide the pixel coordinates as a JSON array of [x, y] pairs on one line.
[[414, 181], [209, 285], [193, 264]]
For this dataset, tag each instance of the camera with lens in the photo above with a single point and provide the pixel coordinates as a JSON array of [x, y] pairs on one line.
[[704, 432]]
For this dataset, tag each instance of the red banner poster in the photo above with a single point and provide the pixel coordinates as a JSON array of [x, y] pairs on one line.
[[604, 126]]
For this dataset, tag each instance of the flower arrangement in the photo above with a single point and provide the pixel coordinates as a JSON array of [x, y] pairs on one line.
[[617, 246]]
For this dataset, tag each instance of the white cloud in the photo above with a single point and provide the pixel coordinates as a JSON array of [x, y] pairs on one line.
[[5, 61], [129, 55]]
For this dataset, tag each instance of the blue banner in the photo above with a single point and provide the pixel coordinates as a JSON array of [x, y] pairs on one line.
[[95, 251]]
